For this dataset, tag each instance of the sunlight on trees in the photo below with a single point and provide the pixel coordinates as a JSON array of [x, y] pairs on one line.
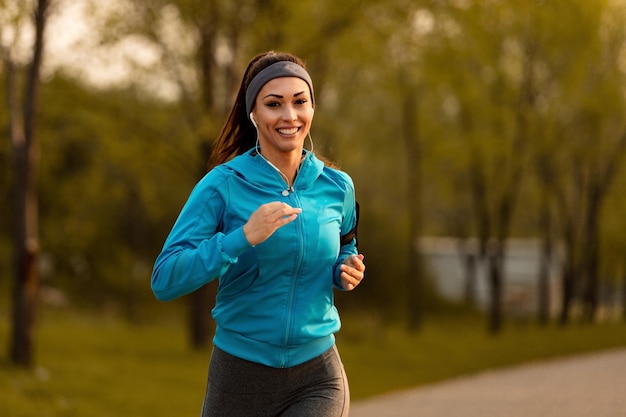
[[481, 120]]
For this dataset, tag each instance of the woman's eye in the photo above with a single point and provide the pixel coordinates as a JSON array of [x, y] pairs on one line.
[[301, 101], [272, 104]]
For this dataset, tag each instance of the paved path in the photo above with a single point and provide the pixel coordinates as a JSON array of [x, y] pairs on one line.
[[591, 385]]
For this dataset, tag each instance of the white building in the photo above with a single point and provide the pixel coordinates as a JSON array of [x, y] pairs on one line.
[[521, 274]]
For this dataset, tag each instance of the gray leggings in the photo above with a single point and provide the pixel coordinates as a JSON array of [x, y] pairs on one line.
[[239, 388]]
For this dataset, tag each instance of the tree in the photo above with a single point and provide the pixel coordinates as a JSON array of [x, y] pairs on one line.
[[204, 81], [22, 131], [410, 133], [585, 112], [494, 94], [492, 108]]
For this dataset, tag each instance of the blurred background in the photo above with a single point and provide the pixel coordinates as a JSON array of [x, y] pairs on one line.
[[486, 140]]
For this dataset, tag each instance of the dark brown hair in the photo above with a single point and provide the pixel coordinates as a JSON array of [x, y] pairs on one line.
[[238, 134]]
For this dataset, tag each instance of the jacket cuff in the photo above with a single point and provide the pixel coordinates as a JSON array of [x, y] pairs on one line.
[[337, 278], [235, 243]]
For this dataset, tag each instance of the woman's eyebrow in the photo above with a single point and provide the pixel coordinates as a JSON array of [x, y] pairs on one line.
[[279, 96], [273, 95]]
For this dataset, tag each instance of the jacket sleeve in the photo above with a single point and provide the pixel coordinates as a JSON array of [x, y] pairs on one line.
[[196, 251], [348, 227]]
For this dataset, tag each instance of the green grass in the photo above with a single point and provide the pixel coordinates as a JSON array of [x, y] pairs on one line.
[[96, 367], [387, 358]]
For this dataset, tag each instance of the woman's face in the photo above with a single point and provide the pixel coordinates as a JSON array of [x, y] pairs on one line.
[[283, 112]]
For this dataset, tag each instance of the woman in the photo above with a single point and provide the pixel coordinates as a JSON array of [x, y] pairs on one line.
[[273, 223]]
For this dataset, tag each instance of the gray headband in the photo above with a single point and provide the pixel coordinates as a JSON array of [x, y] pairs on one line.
[[276, 70]]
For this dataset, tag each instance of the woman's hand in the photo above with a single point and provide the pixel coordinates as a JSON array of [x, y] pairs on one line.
[[267, 219], [352, 271]]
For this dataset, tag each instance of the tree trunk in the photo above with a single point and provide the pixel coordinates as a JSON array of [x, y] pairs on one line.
[[415, 287], [543, 286], [26, 235], [590, 253], [568, 284], [496, 287], [470, 261], [624, 296], [598, 189], [570, 271], [26, 247], [201, 325]]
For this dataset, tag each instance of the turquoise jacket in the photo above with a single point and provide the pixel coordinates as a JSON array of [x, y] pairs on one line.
[[275, 302]]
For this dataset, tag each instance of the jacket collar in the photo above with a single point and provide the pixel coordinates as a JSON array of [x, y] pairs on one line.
[[255, 170]]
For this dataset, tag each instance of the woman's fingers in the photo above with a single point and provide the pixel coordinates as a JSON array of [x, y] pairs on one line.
[[267, 219], [352, 271]]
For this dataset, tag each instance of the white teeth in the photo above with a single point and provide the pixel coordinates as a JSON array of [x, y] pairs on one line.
[[291, 131]]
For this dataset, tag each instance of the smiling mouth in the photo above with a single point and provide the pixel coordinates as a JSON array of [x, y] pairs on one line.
[[290, 131]]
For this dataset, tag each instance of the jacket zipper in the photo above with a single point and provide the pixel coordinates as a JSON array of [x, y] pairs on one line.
[[292, 288]]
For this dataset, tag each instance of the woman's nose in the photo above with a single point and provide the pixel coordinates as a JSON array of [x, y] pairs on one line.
[[290, 113]]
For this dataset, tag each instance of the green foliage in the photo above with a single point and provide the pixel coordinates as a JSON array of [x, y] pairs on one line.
[[117, 164], [115, 171]]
